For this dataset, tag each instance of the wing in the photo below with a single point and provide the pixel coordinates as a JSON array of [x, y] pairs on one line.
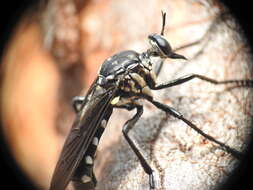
[[87, 121]]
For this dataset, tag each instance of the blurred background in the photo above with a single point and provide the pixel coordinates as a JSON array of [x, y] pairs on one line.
[[54, 53]]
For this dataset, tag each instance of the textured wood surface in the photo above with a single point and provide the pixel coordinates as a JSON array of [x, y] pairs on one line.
[[56, 54]]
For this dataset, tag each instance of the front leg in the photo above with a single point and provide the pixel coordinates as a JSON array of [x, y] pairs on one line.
[[189, 77], [126, 128], [158, 67]]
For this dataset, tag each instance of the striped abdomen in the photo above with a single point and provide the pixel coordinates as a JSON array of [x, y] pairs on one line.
[[84, 176]]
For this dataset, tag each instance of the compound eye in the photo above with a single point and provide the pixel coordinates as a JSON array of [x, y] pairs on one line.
[[161, 44]]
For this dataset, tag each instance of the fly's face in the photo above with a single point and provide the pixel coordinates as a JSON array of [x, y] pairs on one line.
[[161, 47]]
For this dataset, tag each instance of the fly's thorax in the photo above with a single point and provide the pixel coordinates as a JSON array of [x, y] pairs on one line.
[[137, 83], [131, 72], [133, 85], [147, 65], [119, 63], [145, 60]]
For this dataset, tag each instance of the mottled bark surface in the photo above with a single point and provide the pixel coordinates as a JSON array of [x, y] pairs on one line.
[[68, 42]]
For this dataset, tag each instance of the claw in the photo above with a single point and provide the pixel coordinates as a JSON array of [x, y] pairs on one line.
[[152, 181]]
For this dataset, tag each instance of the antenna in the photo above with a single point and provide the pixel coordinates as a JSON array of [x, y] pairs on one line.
[[163, 22]]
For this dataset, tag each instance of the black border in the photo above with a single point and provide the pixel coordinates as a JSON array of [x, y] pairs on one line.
[[13, 177], [242, 177]]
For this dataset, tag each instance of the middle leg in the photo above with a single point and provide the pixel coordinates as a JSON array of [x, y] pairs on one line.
[[178, 115], [126, 128]]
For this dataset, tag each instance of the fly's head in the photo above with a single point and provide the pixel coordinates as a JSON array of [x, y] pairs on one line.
[[160, 47]]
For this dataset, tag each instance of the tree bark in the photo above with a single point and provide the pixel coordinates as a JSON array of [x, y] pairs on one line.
[[61, 56]]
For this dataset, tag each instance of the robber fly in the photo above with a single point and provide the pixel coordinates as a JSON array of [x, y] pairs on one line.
[[122, 81]]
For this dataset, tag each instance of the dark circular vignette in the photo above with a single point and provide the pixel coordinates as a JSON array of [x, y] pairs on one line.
[[12, 175], [241, 176]]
